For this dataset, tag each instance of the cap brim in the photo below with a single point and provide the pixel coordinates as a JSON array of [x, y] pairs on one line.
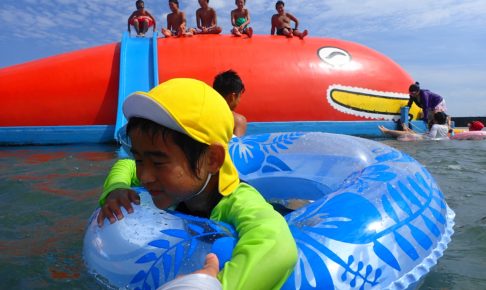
[[140, 104]]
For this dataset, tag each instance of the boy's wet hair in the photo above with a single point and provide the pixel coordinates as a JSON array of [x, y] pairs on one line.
[[279, 3], [192, 149], [228, 82], [440, 118], [175, 2]]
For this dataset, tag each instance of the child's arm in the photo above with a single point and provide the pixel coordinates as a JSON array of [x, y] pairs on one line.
[[198, 20], [169, 23], [117, 191], [130, 18], [274, 26], [265, 254], [122, 175], [153, 19], [214, 21], [247, 19], [233, 18], [183, 22], [294, 19]]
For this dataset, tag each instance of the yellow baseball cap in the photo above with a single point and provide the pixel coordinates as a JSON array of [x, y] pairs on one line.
[[193, 108]]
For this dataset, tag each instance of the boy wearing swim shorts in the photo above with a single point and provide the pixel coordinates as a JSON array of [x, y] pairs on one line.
[[179, 133], [281, 23], [141, 19]]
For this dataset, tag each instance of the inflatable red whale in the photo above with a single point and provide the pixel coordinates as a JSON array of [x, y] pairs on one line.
[[315, 79]]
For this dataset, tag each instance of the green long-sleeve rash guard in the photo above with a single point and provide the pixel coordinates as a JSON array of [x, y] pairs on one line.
[[265, 254], [123, 175]]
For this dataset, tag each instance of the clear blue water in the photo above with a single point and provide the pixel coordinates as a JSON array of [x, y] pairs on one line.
[[48, 193]]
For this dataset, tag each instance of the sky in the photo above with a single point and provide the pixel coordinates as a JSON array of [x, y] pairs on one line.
[[440, 43]]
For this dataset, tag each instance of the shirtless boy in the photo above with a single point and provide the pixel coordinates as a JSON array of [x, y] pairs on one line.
[[176, 22], [141, 19], [229, 85], [281, 23], [206, 19], [240, 18]]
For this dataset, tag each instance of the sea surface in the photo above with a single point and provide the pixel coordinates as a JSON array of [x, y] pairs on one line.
[[47, 194]]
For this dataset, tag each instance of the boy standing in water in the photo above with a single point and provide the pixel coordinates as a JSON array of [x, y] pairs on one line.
[[206, 19], [179, 133], [281, 23], [229, 85], [176, 22], [141, 19], [240, 18]]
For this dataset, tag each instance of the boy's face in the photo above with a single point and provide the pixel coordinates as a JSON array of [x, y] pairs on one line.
[[173, 7], [280, 8], [203, 3], [240, 3], [163, 169]]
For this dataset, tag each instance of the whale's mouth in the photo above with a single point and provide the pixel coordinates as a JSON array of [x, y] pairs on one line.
[[368, 103]]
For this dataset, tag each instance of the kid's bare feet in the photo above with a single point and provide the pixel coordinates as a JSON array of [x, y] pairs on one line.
[[383, 129], [304, 34], [166, 33], [236, 32]]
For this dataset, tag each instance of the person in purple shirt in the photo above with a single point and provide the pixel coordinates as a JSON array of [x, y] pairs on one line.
[[429, 102]]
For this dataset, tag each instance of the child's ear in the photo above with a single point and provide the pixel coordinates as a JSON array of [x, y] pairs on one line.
[[216, 157]]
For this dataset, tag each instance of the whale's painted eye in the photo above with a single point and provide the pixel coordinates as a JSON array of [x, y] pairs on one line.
[[334, 56]]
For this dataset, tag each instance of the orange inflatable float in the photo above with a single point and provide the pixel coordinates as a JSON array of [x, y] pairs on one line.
[[286, 80]]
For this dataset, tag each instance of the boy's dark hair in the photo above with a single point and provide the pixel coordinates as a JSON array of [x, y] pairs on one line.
[[278, 3], [228, 82], [440, 117], [414, 87], [175, 2], [138, 3], [193, 150]]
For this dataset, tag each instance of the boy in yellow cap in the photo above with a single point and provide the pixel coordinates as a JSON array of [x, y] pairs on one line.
[[179, 134]]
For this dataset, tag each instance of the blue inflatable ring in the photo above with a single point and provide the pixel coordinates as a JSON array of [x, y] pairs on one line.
[[366, 216]]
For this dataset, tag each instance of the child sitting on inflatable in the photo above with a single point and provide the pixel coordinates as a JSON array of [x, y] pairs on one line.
[[179, 133], [206, 19], [240, 18], [281, 23], [439, 129], [141, 19], [176, 22]]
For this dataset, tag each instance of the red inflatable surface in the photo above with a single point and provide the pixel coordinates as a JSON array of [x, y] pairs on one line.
[[315, 79]]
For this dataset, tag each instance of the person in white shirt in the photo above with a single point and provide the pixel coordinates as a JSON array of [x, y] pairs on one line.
[[438, 130]]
